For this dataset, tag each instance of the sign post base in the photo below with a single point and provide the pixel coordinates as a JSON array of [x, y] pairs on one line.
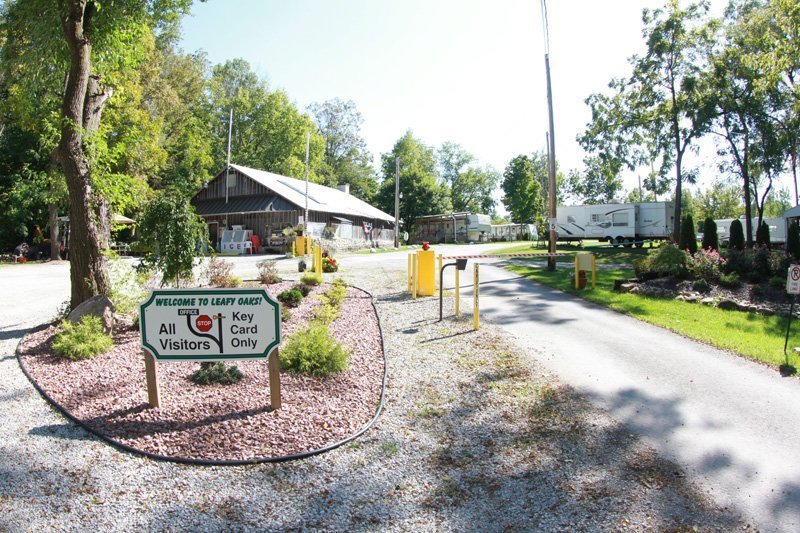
[[151, 372], [274, 380]]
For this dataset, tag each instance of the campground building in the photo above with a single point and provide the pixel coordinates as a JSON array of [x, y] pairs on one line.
[[265, 204]]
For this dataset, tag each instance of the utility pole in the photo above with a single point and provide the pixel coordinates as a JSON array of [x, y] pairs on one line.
[[551, 167], [396, 202], [305, 217], [228, 167]]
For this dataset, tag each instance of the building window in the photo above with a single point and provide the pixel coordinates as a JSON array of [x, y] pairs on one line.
[[231, 180]]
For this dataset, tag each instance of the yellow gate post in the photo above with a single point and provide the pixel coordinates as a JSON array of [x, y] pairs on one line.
[[439, 270], [318, 258], [458, 308], [476, 321], [410, 273]]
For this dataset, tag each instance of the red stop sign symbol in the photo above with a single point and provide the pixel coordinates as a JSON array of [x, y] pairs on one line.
[[203, 322]]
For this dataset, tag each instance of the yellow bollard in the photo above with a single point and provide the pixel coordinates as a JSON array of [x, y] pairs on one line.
[[414, 275], [476, 321], [318, 253], [426, 272], [294, 249], [308, 245], [458, 308], [584, 261]]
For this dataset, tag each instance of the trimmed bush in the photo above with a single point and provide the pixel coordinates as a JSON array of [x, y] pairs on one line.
[[310, 278], [314, 351], [219, 273], [268, 272], [688, 237], [736, 235], [83, 340], [762, 235], [668, 260], [710, 237], [290, 298], [762, 263], [793, 240], [212, 373], [286, 315], [336, 294], [706, 264], [701, 285], [326, 313]]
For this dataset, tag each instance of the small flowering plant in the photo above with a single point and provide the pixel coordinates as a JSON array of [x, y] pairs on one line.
[[329, 264], [705, 264]]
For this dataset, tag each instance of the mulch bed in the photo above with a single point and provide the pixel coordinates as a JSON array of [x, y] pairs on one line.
[[108, 394]]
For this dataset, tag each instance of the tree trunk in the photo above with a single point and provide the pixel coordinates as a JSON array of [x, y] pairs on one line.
[[88, 272], [676, 226], [55, 248]]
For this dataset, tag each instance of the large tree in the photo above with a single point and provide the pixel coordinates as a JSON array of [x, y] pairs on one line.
[[422, 192], [87, 47], [472, 189], [346, 158], [522, 189]]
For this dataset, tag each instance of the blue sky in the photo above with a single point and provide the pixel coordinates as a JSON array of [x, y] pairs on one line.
[[466, 71]]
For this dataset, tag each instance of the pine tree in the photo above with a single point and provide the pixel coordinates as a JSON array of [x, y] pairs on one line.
[[762, 235], [710, 238], [793, 240], [737, 235], [688, 239]]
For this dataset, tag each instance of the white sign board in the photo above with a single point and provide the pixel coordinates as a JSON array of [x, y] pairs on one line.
[[210, 324], [793, 280], [553, 224]]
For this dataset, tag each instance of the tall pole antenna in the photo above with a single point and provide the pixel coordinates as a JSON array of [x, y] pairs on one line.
[[305, 218], [396, 201], [551, 167], [228, 166]]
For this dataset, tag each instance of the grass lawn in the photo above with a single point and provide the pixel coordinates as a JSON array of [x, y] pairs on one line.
[[752, 335]]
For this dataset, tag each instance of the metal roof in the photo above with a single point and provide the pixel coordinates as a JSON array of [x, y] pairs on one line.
[[243, 204], [320, 198]]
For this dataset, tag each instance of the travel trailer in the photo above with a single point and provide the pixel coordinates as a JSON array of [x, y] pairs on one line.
[[777, 229], [623, 223]]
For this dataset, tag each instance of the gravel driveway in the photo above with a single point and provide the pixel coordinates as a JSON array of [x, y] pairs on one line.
[[474, 435]]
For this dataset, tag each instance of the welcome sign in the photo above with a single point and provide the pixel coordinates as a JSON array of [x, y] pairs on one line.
[[210, 324]]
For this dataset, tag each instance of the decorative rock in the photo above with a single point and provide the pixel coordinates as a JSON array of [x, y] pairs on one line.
[[98, 305], [729, 305], [707, 301], [628, 287]]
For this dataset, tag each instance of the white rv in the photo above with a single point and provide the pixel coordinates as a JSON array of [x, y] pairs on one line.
[[626, 224], [777, 229]]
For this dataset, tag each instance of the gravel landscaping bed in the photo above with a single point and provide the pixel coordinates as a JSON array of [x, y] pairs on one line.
[[214, 422], [474, 435]]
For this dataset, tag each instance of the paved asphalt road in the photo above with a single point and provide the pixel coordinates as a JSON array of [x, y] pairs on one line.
[[730, 423]]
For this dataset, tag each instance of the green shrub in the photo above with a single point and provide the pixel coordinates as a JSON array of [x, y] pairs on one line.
[[668, 260], [710, 237], [730, 280], [736, 235], [310, 278], [336, 294], [290, 298], [762, 235], [739, 261], [326, 313], [762, 262], [701, 285], [286, 315], [305, 290], [268, 272], [83, 340], [756, 291], [216, 372], [641, 265], [688, 237], [777, 281], [314, 351], [793, 240], [706, 264]]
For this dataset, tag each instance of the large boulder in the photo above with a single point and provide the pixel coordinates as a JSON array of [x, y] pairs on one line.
[[98, 305]]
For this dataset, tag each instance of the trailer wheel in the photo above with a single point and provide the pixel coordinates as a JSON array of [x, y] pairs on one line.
[[614, 242], [639, 244], [627, 242]]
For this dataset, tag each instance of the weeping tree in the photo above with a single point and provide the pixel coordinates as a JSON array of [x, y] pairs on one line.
[[77, 50]]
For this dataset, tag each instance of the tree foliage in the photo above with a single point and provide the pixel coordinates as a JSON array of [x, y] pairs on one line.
[[422, 193], [522, 189], [710, 236], [174, 234], [688, 240], [736, 235]]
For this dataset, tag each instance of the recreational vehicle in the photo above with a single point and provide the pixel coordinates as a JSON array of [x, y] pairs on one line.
[[777, 229], [626, 223]]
